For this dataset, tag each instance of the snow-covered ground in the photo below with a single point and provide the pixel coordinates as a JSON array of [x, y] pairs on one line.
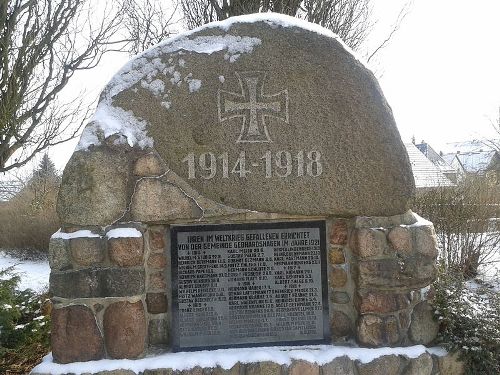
[[34, 273], [489, 273], [226, 358]]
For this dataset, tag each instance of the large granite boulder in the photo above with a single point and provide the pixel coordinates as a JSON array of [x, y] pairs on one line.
[[263, 112]]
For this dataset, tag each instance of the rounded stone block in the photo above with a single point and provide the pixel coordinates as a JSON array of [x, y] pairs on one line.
[[59, 258], [158, 332], [164, 371], [87, 251], [237, 369], [340, 324], [422, 365], [423, 327], [197, 370], [157, 240], [126, 251], [263, 368], [339, 366], [391, 328], [385, 365], [380, 303], [303, 368], [338, 277], [157, 281], [75, 336], [336, 256], [97, 283], [124, 326], [369, 242], [338, 233], [156, 200], [94, 188], [425, 240], [340, 297], [371, 330], [393, 273], [157, 303], [309, 110], [157, 261], [149, 165], [374, 330], [400, 239]]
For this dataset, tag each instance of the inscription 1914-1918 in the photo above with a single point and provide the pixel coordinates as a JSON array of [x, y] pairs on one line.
[[249, 284]]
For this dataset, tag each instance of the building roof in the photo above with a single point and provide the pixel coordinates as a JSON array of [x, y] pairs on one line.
[[425, 173], [466, 146], [436, 158], [476, 162]]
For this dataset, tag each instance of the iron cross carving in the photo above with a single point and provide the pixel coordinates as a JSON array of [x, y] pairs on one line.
[[253, 107]]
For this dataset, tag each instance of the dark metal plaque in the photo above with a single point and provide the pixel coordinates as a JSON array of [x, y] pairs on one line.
[[249, 284]]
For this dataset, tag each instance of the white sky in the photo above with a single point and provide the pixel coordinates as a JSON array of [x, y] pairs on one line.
[[440, 73]]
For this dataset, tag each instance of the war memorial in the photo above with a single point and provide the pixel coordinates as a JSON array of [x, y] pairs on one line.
[[244, 185]]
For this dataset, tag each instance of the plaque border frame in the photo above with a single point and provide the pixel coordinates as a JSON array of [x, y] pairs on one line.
[[176, 228]]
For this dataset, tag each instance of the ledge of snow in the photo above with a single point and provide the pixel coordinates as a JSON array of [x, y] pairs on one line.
[[124, 233], [227, 358], [78, 234], [420, 221]]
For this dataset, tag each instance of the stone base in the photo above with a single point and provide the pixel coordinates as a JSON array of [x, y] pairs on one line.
[[427, 363]]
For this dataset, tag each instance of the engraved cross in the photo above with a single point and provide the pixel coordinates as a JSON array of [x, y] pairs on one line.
[[253, 107]]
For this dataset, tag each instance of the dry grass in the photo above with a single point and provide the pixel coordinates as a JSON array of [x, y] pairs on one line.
[[29, 219]]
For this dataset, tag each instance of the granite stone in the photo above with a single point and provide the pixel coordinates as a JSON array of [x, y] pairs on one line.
[[339, 366], [94, 188], [385, 365], [75, 335], [126, 251], [124, 325], [59, 258], [156, 200], [95, 283], [87, 251], [423, 327], [288, 94]]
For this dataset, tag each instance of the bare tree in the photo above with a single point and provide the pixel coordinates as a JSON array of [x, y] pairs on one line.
[[147, 22], [350, 19], [494, 143], [467, 235], [42, 44], [199, 12]]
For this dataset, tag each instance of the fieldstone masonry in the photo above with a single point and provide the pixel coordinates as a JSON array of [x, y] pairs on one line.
[[319, 143]]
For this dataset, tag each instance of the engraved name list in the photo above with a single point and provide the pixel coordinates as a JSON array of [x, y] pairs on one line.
[[240, 284]]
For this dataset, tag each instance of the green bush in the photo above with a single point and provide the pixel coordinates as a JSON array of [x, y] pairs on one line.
[[24, 330], [469, 322]]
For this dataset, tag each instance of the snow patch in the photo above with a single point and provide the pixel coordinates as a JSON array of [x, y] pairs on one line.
[[124, 233], [194, 85], [176, 78], [420, 222], [34, 274], [109, 120], [84, 233], [157, 87], [227, 358]]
